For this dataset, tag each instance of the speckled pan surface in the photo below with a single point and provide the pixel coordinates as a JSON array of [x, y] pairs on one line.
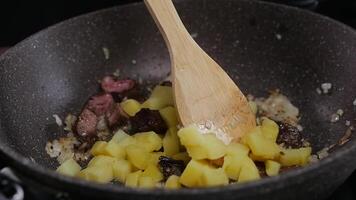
[[262, 46]]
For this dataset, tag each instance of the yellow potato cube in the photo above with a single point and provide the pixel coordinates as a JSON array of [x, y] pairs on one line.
[[98, 148], [192, 174], [132, 179], [114, 149], [154, 158], [101, 160], [170, 116], [121, 169], [270, 129], [173, 182], [213, 177], [261, 147], [211, 148], [138, 156], [249, 171], [70, 168], [146, 182], [171, 144], [153, 172], [120, 136], [149, 140], [233, 164], [184, 156], [100, 174], [237, 149], [292, 157], [272, 167], [131, 107], [161, 97], [190, 136]]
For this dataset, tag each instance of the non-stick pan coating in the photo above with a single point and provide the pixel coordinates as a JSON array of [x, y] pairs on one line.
[[262, 46]]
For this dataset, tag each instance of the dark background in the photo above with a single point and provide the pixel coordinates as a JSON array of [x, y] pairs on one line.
[[21, 18]]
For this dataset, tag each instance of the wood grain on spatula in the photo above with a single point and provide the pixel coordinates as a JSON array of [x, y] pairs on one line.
[[204, 94]]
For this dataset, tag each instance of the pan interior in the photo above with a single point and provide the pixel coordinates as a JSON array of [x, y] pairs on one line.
[[262, 47]]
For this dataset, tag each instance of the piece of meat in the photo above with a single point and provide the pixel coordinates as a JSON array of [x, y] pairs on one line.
[[100, 104], [112, 85], [169, 167], [289, 135], [115, 115], [148, 120], [86, 123]]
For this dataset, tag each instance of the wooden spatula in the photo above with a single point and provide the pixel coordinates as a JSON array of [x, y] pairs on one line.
[[204, 94]]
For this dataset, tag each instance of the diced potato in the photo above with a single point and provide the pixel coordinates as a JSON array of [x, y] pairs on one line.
[[173, 182], [237, 149], [190, 136], [184, 156], [171, 144], [253, 107], [132, 179], [138, 156], [192, 174], [261, 147], [270, 129], [154, 158], [248, 171], [153, 172], [146, 182], [170, 116], [101, 160], [114, 149], [131, 107], [233, 164], [272, 167], [161, 96], [120, 136], [299, 157], [149, 140], [70, 167], [213, 177], [121, 169], [98, 148], [100, 174]]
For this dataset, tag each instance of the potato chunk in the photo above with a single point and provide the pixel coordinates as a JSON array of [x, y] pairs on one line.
[[70, 167], [237, 149], [248, 171], [170, 116], [121, 169], [133, 178], [149, 141], [146, 182], [272, 167], [171, 144], [138, 156], [98, 148], [114, 149], [131, 107], [261, 147], [154, 158], [173, 182], [161, 97], [292, 157], [101, 160], [100, 174], [213, 177], [192, 174], [270, 129], [153, 172], [233, 164], [183, 156]]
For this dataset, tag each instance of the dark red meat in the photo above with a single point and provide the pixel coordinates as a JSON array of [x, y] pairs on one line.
[[100, 104], [86, 123], [289, 135], [115, 115], [148, 120], [112, 85]]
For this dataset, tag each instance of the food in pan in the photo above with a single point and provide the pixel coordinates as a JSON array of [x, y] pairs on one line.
[[123, 136]]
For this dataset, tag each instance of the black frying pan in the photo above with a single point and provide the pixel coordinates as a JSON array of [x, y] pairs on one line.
[[263, 46]]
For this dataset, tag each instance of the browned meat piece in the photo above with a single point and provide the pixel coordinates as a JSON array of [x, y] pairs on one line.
[[289, 135], [100, 104], [115, 115], [111, 85], [148, 120], [86, 123]]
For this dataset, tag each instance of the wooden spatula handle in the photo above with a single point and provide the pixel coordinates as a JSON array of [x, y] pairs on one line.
[[169, 23]]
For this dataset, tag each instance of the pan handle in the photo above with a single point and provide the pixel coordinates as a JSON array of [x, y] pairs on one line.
[[10, 188]]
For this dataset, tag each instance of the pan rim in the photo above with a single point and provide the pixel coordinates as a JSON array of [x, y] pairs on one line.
[[21, 163]]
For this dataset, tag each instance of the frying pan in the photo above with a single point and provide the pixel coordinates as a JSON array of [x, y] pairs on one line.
[[262, 46]]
